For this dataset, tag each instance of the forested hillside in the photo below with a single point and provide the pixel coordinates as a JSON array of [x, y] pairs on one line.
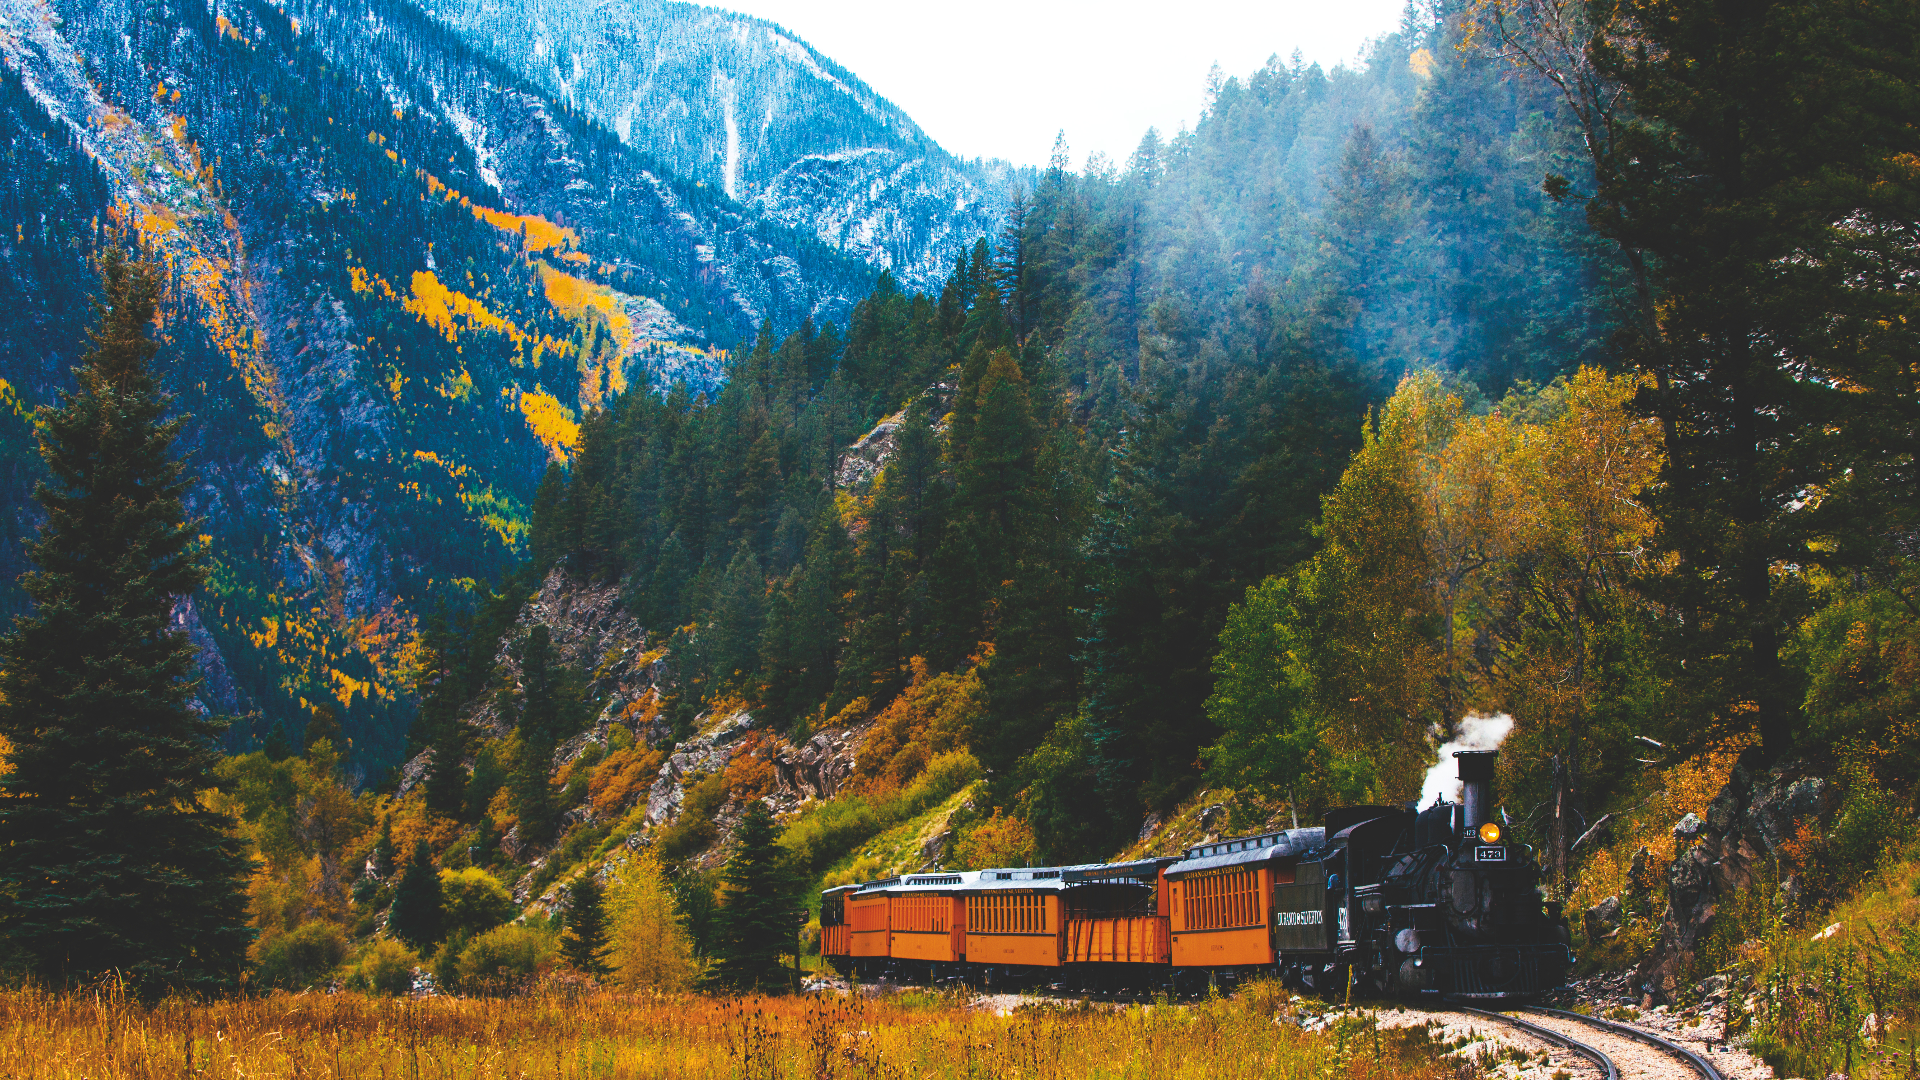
[[398, 279], [1251, 467], [1114, 418]]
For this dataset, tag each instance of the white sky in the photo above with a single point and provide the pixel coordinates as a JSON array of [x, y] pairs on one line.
[[997, 78]]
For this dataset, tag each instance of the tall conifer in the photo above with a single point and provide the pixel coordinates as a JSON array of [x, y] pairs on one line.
[[544, 715], [415, 917], [758, 922], [584, 945], [109, 861]]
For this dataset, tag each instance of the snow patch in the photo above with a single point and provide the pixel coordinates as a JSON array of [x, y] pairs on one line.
[[803, 56], [475, 136]]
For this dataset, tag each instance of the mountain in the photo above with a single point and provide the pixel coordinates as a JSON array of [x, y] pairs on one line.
[[401, 276], [742, 105]]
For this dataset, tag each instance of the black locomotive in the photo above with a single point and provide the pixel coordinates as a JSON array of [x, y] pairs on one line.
[[1433, 901]]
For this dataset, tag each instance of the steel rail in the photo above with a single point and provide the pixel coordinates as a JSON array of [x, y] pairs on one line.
[[1705, 1068], [1547, 1034]]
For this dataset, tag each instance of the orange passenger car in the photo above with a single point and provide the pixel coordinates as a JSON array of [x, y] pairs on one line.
[[1014, 918], [1220, 899], [994, 925], [929, 923], [869, 930]]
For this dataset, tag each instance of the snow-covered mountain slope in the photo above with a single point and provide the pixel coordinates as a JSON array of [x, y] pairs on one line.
[[745, 106]]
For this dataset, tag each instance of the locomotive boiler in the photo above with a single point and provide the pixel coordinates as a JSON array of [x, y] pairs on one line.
[[1388, 899]]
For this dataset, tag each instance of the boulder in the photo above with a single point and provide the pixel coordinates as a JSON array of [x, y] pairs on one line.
[[1603, 918]]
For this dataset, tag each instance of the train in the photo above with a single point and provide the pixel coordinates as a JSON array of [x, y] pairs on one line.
[[1394, 900]]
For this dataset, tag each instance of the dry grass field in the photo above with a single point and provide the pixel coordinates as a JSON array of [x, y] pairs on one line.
[[97, 1037]]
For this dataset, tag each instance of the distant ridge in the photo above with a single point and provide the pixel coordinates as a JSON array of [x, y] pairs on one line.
[[746, 106]]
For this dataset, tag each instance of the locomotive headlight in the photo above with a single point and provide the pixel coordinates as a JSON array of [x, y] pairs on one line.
[[1490, 833]]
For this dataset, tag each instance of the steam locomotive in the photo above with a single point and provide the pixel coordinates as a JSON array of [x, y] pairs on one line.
[[1383, 899]]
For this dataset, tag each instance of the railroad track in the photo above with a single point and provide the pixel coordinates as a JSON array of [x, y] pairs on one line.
[[1620, 1051]]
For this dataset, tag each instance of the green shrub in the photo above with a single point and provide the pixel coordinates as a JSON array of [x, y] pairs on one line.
[[829, 830], [444, 964], [383, 967], [504, 959], [303, 957], [563, 858], [1873, 831], [473, 901]]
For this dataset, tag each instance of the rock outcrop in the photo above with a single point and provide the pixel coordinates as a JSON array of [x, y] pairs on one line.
[[592, 632], [863, 460], [710, 752], [817, 768], [1746, 831]]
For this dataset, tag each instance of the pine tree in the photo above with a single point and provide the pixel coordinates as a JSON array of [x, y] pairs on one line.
[[383, 850], [584, 945], [277, 747], [446, 784], [758, 922], [991, 511], [804, 625], [486, 781], [109, 862], [415, 915], [323, 725], [533, 800], [739, 613], [549, 540], [1768, 140]]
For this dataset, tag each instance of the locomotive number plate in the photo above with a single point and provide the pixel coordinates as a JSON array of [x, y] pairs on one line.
[[1490, 854]]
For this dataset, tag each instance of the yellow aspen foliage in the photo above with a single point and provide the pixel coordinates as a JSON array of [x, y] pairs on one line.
[[540, 233], [1468, 554], [650, 946], [441, 306], [551, 422]]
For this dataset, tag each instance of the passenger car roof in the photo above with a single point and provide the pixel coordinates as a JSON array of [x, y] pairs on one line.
[[1242, 851], [1024, 878]]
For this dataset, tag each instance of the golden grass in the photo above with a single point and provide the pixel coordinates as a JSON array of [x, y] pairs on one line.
[[611, 1035], [1843, 997]]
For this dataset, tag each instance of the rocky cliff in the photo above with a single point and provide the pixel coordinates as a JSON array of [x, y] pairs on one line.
[[594, 633], [1748, 834]]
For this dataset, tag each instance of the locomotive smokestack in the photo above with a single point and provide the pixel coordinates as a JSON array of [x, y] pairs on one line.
[[1476, 785]]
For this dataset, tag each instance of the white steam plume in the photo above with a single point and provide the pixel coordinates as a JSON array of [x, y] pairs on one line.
[[1476, 733]]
